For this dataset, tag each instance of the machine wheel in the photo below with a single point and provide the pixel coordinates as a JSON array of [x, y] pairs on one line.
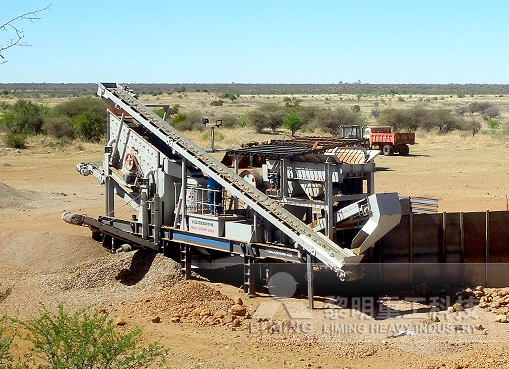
[[404, 150], [252, 177], [388, 150], [257, 160]]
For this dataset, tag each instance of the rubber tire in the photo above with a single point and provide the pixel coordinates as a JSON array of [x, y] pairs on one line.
[[388, 150], [404, 150]]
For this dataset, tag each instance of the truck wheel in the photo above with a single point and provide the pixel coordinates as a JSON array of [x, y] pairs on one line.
[[404, 150], [388, 150]]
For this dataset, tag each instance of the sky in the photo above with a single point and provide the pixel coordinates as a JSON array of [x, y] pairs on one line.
[[259, 41]]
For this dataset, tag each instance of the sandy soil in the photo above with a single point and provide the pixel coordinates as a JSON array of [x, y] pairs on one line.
[[47, 260]]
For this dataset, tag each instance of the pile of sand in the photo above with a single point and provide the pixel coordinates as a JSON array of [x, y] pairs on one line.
[[12, 198]]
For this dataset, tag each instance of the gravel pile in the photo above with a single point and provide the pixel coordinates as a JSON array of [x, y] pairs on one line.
[[495, 300], [190, 302], [140, 268]]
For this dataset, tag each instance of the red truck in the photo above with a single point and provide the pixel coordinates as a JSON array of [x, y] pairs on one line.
[[383, 139]]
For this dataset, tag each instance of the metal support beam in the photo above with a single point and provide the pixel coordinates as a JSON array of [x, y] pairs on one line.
[[309, 278], [329, 200], [185, 260], [183, 221], [236, 168], [487, 248], [249, 276], [109, 189]]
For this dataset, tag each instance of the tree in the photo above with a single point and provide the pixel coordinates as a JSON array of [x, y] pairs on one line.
[[292, 122], [331, 120], [16, 34]]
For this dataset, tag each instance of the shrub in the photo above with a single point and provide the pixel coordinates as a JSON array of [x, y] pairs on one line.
[[15, 140], [180, 117], [159, 112], [6, 337], [191, 122], [83, 340], [230, 120], [75, 107], [23, 117], [396, 119], [292, 122], [355, 108], [330, 120], [89, 126], [58, 127], [217, 103], [257, 120], [493, 123]]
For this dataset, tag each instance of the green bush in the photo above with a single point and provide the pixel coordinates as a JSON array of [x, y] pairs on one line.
[[15, 140], [330, 120], [493, 123], [6, 336], [89, 126], [159, 112], [180, 117], [58, 127], [191, 122], [217, 103], [23, 117], [412, 119], [80, 105], [230, 120], [87, 341], [257, 120], [292, 122]]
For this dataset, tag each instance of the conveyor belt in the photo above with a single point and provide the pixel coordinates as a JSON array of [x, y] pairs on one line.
[[316, 244]]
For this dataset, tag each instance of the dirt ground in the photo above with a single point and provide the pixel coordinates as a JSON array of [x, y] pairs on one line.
[[47, 260]]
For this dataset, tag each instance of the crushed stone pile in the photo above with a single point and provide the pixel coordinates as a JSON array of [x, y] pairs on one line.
[[140, 268], [191, 302]]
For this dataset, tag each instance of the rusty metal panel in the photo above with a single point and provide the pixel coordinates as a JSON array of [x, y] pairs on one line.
[[499, 237], [396, 243], [452, 238], [475, 237], [427, 236]]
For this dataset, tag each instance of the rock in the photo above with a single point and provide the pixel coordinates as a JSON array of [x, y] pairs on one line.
[[501, 318], [175, 319], [458, 307], [155, 319], [286, 324], [478, 294], [479, 327], [120, 321], [236, 323], [220, 314], [229, 318], [196, 312], [238, 310], [436, 319], [238, 301], [205, 312], [479, 288], [451, 309], [102, 311]]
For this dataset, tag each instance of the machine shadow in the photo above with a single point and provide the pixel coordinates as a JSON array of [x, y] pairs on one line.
[[140, 264]]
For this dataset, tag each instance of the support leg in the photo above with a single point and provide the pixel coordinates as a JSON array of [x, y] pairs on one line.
[[185, 261], [249, 276], [309, 278]]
